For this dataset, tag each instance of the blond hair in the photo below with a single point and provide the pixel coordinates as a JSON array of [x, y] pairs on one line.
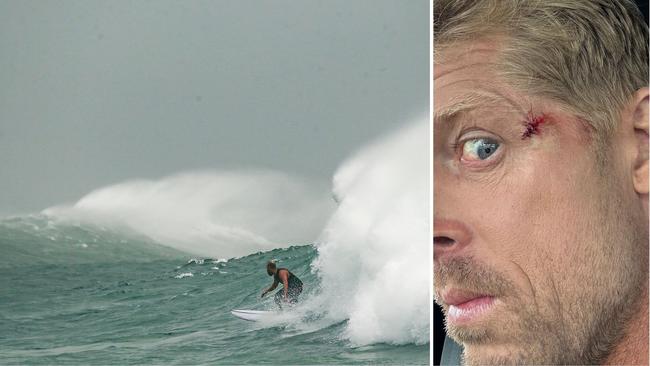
[[588, 55]]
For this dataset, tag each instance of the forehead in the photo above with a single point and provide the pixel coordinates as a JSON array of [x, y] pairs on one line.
[[466, 78], [449, 57], [472, 100]]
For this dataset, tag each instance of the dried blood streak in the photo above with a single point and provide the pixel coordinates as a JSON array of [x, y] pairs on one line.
[[532, 125]]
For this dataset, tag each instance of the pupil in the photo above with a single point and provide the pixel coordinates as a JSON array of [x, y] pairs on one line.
[[486, 149]]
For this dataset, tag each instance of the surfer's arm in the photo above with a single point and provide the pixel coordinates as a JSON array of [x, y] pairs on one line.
[[284, 277], [273, 286]]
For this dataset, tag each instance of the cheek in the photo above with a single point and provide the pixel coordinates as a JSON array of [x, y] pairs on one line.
[[532, 222]]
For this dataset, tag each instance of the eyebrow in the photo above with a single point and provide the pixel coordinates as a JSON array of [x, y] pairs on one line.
[[468, 102]]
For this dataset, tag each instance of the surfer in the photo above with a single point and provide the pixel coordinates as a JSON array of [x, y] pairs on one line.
[[292, 284]]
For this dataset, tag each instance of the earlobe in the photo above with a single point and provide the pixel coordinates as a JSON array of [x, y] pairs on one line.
[[640, 118]]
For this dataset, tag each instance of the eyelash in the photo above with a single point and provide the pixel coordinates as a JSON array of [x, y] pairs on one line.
[[454, 146], [458, 141]]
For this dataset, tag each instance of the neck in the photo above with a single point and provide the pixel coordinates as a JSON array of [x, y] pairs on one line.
[[632, 349]]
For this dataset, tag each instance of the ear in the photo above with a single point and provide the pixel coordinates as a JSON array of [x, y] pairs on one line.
[[640, 120]]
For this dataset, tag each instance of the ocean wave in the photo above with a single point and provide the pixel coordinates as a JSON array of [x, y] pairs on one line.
[[375, 244], [198, 261], [220, 214], [40, 239], [373, 256]]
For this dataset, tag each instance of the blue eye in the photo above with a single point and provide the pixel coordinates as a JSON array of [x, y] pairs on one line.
[[479, 149]]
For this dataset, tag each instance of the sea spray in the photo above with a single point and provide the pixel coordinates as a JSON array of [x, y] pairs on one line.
[[373, 255], [209, 213]]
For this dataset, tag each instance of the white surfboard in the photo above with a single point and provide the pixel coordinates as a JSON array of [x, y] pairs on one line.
[[251, 315]]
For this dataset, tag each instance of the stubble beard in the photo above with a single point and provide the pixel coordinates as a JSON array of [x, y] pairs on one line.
[[579, 321], [527, 335], [616, 280]]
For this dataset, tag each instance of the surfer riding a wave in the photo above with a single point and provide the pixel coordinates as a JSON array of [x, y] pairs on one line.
[[292, 284]]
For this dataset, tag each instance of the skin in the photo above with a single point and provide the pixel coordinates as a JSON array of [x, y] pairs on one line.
[[284, 277], [559, 239]]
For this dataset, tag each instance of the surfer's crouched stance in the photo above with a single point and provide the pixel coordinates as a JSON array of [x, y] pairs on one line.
[[292, 284]]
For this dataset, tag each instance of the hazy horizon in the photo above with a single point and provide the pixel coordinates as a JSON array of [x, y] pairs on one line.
[[96, 93]]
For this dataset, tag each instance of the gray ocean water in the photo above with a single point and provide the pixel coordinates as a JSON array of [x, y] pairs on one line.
[[81, 294]]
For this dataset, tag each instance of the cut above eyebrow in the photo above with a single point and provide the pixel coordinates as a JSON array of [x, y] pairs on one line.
[[470, 101]]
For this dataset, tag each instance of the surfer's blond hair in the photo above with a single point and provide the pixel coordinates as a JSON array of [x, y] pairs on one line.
[[590, 56]]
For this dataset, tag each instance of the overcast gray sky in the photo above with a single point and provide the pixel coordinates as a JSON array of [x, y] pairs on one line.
[[97, 92]]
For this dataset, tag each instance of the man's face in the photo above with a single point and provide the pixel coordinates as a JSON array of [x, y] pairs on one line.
[[537, 253]]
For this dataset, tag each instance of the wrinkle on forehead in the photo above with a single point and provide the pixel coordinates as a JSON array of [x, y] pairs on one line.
[[469, 68], [473, 100], [462, 53]]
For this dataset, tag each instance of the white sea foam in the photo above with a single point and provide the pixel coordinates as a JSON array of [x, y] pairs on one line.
[[183, 275], [217, 214], [373, 255]]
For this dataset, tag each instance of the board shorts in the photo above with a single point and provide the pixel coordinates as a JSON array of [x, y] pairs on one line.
[[292, 295]]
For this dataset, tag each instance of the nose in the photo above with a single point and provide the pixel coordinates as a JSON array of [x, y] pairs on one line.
[[449, 238]]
